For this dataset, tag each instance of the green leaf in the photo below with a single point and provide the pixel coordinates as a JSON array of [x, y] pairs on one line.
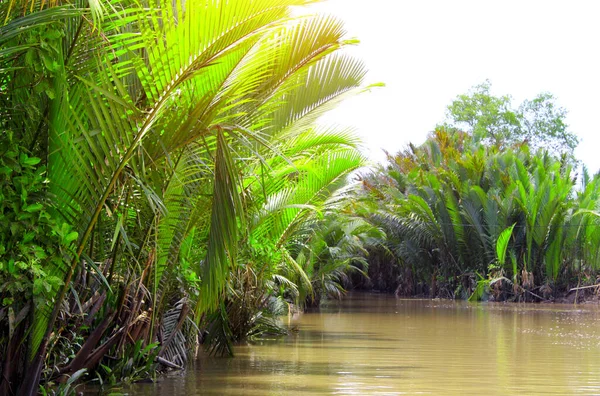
[[502, 244], [72, 236], [76, 376], [31, 161], [34, 207]]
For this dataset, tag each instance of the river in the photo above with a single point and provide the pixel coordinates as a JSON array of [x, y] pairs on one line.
[[371, 344]]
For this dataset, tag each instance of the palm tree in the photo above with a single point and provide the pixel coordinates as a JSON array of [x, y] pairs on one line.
[[160, 127], [445, 205]]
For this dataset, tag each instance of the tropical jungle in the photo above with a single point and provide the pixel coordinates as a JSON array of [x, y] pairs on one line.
[[167, 189]]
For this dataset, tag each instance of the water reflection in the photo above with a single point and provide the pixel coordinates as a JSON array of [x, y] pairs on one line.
[[378, 345]]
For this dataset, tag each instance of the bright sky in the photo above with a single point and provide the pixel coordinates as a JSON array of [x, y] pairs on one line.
[[429, 51]]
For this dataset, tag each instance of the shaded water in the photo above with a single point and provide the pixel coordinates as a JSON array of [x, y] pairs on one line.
[[378, 345]]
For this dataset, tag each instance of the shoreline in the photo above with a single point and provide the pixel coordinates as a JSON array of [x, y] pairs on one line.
[[586, 295]]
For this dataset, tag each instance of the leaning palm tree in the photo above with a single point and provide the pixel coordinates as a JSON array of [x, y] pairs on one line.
[[143, 117]]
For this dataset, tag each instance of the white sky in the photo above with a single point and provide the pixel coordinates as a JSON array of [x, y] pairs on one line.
[[429, 51]]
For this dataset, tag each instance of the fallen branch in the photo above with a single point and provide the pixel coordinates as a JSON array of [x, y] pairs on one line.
[[165, 362], [535, 295], [584, 287]]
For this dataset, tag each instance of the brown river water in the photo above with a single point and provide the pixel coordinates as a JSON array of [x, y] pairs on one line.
[[373, 344]]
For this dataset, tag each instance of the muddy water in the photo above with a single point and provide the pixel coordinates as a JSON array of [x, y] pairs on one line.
[[378, 345]]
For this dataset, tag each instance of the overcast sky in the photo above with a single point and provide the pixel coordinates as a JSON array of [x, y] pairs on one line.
[[429, 51]]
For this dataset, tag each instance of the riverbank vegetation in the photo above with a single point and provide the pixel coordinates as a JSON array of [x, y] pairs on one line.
[[164, 184], [163, 181], [494, 210]]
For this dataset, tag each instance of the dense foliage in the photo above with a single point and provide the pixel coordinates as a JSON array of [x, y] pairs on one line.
[[465, 219], [161, 173]]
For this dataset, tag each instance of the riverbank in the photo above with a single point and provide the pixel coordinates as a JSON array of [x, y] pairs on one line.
[[384, 277]]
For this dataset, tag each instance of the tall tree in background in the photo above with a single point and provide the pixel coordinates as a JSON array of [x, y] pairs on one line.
[[490, 119]]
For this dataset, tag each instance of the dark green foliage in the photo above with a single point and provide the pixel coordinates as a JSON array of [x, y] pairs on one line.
[[30, 237], [32, 243]]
